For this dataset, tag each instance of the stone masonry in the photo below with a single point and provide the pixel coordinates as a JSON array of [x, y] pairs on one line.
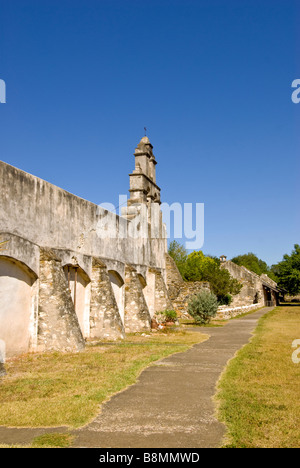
[[58, 326], [105, 320], [72, 271], [137, 316]]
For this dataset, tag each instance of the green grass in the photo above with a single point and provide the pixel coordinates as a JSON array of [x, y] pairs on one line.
[[56, 389], [258, 393], [52, 440], [48, 440], [212, 324]]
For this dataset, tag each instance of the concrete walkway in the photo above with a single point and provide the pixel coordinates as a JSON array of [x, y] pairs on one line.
[[171, 404]]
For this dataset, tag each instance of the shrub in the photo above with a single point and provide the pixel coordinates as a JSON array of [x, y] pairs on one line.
[[225, 300], [203, 306], [166, 316]]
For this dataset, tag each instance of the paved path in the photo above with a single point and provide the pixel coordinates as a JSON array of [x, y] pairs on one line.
[[171, 404]]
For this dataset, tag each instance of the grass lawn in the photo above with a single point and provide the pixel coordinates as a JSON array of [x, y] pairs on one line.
[[56, 389], [258, 393]]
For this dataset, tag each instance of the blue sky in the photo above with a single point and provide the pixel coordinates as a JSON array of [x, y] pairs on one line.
[[211, 81]]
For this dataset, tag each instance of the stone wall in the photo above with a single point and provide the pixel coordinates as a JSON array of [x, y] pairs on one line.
[[137, 316], [105, 320], [73, 271], [289, 298], [256, 289], [251, 291], [174, 278], [226, 313], [187, 290], [181, 291], [58, 326]]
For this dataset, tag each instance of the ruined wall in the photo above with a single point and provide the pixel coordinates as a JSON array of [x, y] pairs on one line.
[[173, 277], [46, 215], [58, 326], [260, 290], [137, 316], [105, 319], [228, 312], [251, 291], [181, 291], [73, 271]]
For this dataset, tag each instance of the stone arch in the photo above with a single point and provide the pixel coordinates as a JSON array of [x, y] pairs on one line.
[[117, 283], [142, 280], [80, 290], [149, 291], [18, 299]]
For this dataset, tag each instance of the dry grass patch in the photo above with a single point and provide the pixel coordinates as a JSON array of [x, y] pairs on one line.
[[258, 394], [56, 389]]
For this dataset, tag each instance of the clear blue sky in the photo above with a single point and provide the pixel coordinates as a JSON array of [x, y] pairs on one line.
[[211, 80]]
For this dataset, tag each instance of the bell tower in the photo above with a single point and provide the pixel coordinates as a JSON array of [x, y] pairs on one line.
[[143, 188]]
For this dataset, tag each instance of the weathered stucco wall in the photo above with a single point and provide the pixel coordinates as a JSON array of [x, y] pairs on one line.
[[72, 270], [256, 289], [46, 215]]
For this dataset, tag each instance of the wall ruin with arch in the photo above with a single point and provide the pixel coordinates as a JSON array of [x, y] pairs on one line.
[[73, 271]]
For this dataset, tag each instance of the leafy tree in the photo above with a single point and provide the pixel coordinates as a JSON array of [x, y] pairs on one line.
[[202, 268], [222, 284], [288, 271], [252, 263], [179, 255], [198, 266], [255, 264]]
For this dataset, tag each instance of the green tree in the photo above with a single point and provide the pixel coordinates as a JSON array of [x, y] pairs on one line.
[[198, 266], [223, 284], [288, 271], [252, 263], [255, 264], [179, 255], [203, 268]]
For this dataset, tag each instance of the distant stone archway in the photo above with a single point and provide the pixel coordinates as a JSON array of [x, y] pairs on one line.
[[17, 311]]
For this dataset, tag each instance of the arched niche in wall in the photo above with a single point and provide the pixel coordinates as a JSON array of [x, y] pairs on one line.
[[117, 283], [149, 292], [17, 302], [79, 286], [143, 282]]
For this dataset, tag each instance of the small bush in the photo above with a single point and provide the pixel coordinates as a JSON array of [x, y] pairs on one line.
[[203, 306], [225, 300], [166, 316]]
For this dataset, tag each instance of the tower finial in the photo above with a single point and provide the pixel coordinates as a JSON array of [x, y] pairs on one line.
[[145, 131]]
